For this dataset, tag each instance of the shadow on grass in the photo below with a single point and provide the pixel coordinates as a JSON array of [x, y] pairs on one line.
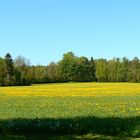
[[78, 128]]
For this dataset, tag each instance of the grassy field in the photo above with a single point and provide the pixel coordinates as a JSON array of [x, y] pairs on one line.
[[72, 109]]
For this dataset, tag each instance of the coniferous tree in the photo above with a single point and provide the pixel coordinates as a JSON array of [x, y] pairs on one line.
[[92, 70], [9, 69]]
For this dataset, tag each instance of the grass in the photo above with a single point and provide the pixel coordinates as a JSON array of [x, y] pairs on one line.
[[99, 109], [64, 137]]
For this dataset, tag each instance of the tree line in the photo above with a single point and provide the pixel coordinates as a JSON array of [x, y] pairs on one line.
[[69, 68]]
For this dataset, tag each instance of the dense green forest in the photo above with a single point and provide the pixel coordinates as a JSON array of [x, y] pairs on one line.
[[70, 68]]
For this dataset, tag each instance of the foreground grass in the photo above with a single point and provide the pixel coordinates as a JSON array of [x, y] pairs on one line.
[[64, 137], [72, 109]]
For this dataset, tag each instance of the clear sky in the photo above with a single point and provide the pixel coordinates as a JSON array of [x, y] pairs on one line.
[[42, 30]]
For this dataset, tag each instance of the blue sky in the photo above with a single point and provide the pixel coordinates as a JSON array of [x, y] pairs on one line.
[[42, 30]]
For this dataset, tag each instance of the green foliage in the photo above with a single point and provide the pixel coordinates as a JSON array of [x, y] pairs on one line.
[[2, 71], [134, 70], [82, 71], [39, 74], [67, 66], [92, 70], [23, 72], [101, 70], [112, 70], [78, 69], [70, 69], [9, 69], [52, 72]]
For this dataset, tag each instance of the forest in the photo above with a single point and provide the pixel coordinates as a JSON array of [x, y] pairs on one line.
[[70, 68]]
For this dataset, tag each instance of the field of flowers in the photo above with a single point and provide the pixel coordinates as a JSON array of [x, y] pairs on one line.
[[106, 108], [74, 89]]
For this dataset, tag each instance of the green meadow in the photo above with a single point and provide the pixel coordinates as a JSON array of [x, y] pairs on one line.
[[71, 110]]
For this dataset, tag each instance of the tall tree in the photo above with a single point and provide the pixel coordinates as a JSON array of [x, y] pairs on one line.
[[134, 70], [112, 70], [67, 66], [122, 69], [2, 72], [52, 72], [23, 69], [92, 70], [82, 70], [101, 70], [124, 72], [40, 74], [9, 69]]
